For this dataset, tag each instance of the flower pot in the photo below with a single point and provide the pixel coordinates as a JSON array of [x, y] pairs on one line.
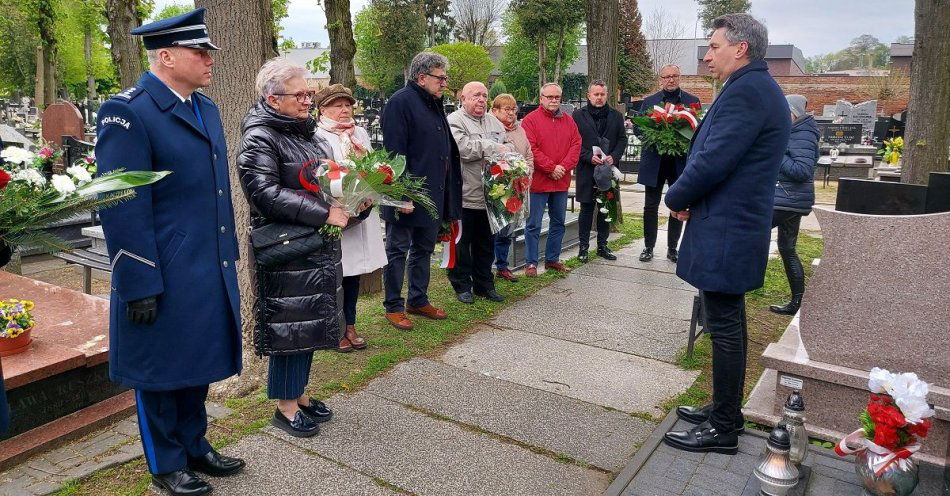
[[900, 478], [15, 345]]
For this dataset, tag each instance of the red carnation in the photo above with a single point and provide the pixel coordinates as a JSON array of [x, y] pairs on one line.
[[920, 429], [495, 170], [657, 117], [886, 436], [390, 174], [521, 184], [679, 106], [696, 106], [4, 179], [513, 204], [670, 119], [610, 195]]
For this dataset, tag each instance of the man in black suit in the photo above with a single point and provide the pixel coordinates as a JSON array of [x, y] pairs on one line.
[[603, 141], [657, 170]]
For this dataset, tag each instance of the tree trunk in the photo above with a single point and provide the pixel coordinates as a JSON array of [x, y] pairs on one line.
[[558, 56], [39, 93], [244, 31], [90, 76], [46, 16], [126, 49], [342, 45], [542, 72], [927, 137], [603, 31]]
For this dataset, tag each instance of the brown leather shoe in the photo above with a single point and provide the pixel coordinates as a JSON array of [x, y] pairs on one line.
[[358, 342], [531, 271], [399, 320], [556, 266], [345, 346], [428, 311], [506, 275]]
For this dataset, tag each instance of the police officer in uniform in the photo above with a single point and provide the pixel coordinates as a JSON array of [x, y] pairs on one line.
[[175, 323]]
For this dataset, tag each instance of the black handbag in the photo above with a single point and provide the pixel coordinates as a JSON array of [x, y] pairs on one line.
[[277, 244]]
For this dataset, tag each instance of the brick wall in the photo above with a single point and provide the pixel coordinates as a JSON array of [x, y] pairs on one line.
[[819, 90]]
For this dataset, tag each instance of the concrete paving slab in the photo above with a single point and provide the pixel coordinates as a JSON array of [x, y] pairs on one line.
[[604, 438], [426, 456], [629, 296], [636, 333], [608, 378], [276, 467], [638, 274], [630, 256]]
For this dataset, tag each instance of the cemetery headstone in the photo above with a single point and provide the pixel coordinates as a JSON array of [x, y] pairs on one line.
[[864, 113], [62, 119], [938, 192], [829, 111], [837, 134], [864, 196]]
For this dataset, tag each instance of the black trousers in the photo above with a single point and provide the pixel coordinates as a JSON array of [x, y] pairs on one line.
[[651, 209], [584, 222], [351, 293], [788, 224], [474, 254], [725, 321], [408, 247]]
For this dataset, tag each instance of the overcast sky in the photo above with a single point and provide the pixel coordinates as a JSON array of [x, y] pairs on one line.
[[814, 26]]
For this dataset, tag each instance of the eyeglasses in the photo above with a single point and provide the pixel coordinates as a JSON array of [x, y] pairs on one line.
[[551, 97], [670, 77], [301, 96], [508, 109], [442, 79]]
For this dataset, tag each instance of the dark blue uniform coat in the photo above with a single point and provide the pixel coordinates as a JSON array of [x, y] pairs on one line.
[[729, 184], [649, 158], [414, 125], [174, 240]]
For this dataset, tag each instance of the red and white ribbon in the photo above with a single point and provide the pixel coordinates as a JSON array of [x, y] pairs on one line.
[[888, 456], [336, 173], [670, 109], [448, 247]]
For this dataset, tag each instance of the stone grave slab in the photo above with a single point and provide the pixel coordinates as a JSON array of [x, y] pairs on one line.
[[608, 378], [637, 333], [605, 438], [62, 119], [426, 456], [276, 467]]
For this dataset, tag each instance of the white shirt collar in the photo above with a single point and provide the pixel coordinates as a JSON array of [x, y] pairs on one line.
[[183, 99]]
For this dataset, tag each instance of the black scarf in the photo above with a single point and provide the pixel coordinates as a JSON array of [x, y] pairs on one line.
[[673, 97], [599, 115]]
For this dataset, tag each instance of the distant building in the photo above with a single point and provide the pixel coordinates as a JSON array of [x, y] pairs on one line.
[[783, 60], [901, 56]]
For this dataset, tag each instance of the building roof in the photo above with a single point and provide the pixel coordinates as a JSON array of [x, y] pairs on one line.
[[902, 50]]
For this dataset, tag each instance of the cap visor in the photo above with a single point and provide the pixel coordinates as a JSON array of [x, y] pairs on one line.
[[202, 46]]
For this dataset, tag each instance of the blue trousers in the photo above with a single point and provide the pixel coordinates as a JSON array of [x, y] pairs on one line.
[[556, 205], [288, 375], [173, 426], [503, 242], [408, 247]]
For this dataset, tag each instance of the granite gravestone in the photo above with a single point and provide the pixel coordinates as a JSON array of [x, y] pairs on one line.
[[938, 192], [62, 119], [829, 111], [836, 134], [864, 113], [865, 196]]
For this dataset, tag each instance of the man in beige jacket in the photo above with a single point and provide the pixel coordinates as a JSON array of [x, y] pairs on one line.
[[479, 136]]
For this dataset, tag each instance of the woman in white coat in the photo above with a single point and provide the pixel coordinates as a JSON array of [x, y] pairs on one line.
[[362, 244]]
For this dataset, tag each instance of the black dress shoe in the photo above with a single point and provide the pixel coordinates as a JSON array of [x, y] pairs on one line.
[[181, 483], [672, 255], [646, 255], [492, 295], [791, 308], [466, 297], [215, 464], [605, 253], [582, 255], [300, 426], [704, 438], [316, 410], [695, 415]]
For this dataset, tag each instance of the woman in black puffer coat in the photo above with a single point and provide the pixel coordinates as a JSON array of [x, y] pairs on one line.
[[299, 305], [794, 196]]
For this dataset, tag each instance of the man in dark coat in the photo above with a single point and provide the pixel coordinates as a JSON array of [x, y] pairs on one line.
[[602, 131], [726, 192], [657, 170], [175, 321], [414, 125]]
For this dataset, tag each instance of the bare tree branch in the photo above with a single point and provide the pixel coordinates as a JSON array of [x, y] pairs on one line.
[[662, 29], [476, 20]]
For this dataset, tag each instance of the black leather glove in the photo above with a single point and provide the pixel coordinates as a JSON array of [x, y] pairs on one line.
[[143, 311]]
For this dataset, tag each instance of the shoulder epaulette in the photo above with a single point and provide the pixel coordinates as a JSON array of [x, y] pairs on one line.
[[128, 93]]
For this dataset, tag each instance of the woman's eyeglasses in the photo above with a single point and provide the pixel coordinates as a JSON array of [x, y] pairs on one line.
[[301, 96]]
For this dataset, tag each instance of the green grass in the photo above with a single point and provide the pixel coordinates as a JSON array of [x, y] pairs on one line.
[[334, 372]]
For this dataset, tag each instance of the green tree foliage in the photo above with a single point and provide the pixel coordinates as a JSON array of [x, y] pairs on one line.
[[865, 52], [402, 30], [497, 88], [573, 87], [467, 62], [635, 69], [378, 71], [548, 24], [172, 10], [439, 23], [519, 63], [709, 10], [75, 20], [19, 38]]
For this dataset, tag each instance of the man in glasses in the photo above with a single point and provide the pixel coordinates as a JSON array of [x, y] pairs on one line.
[[556, 145], [414, 125], [658, 170]]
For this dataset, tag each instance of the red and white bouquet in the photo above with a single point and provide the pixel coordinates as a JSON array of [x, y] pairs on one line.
[[507, 181], [896, 418], [670, 128]]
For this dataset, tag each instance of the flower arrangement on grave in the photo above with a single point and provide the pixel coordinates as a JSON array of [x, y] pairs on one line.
[[87, 162], [15, 318], [507, 181], [896, 418], [608, 203], [29, 202], [377, 177], [670, 128], [892, 151]]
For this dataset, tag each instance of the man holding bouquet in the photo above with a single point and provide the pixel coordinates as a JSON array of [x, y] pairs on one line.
[[479, 136]]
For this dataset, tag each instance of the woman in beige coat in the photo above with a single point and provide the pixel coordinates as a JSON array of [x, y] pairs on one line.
[[362, 244], [505, 108]]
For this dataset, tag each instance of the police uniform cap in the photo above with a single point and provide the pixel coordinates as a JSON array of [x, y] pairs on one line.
[[186, 30], [332, 92]]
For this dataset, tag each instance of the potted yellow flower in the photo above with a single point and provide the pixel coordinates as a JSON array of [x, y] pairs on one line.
[[893, 148], [16, 323]]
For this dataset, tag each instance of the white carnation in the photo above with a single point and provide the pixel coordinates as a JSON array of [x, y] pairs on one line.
[[79, 173], [63, 184], [880, 380], [30, 176], [603, 210], [17, 155], [914, 409]]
